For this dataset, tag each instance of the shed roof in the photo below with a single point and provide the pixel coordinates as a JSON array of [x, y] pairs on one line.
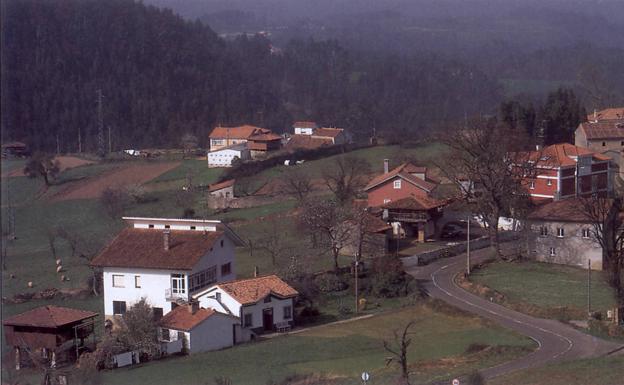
[[251, 290], [327, 132], [218, 186], [613, 129], [240, 132], [49, 316], [402, 172], [304, 124], [182, 318], [307, 142], [566, 210]]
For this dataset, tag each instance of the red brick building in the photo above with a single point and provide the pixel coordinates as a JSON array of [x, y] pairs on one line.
[[564, 171], [405, 181]]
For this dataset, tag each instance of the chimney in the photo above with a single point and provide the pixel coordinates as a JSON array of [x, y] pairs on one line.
[[166, 236], [193, 306], [386, 166]]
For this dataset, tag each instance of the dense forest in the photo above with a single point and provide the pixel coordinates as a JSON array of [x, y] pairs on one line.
[[161, 76]]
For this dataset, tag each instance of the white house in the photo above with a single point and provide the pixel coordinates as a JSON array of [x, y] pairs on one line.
[[197, 329], [165, 261], [223, 157], [262, 304], [304, 128]]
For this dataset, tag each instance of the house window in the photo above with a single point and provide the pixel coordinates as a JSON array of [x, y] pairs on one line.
[[543, 231], [560, 232], [164, 334], [586, 233], [604, 144], [622, 143], [157, 312], [287, 312], [549, 182], [397, 184], [119, 307], [203, 278], [248, 320], [137, 281], [552, 252], [180, 336], [118, 280], [167, 226], [267, 299], [532, 185], [222, 243], [178, 284], [226, 269], [150, 226]]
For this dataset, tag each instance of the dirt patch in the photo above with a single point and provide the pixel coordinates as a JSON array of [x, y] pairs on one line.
[[122, 176], [65, 163]]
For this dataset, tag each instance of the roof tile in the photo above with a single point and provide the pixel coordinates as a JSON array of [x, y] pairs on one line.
[[251, 290], [49, 317]]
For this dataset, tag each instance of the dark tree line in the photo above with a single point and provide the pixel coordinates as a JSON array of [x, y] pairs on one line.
[[162, 76]]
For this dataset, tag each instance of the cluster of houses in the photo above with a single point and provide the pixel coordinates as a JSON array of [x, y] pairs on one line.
[[242, 143]]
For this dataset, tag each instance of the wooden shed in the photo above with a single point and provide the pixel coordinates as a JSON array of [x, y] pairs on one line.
[[56, 333]]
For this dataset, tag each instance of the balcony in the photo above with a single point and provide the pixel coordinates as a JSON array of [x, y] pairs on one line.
[[176, 296], [396, 216]]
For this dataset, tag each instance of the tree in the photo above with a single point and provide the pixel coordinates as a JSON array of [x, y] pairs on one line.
[[189, 142], [605, 215], [42, 165], [346, 177], [273, 242], [138, 331], [398, 348], [114, 200], [327, 222], [560, 115], [297, 182], [489, 156]]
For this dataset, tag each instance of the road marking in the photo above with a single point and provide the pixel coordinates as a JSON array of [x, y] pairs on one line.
[[539, 344]]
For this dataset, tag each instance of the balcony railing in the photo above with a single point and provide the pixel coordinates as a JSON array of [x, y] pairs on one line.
[[407, 217], [172, 296]]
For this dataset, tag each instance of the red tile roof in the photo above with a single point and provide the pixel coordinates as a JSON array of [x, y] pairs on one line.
[[304, 124], [607, 114], [327, 132], [181, 318], [222, 185], [307, 142], [49, 317], [241, 132], [252, 290], [144, 248], [402, 172], [603, 130], [562, 154], [566, 210], [416, 203], [266, 137]]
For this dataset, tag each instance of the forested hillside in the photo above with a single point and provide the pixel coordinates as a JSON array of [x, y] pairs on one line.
[[162, 76]]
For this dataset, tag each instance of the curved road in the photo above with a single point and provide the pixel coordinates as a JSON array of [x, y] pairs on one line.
[[555, 340]]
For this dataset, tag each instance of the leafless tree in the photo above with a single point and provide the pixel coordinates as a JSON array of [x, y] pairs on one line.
[[114, 200], [398, 348], [189, 142], [42, 165], [297, 182], [493, 161], [605, 215], [273, 241], [346, 177], [327, 221]]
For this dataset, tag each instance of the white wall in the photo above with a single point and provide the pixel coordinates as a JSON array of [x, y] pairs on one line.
[[303, 131], [214, 333], [256, 311], [219, 255], [153, 285], [223, 158], [207, 300]]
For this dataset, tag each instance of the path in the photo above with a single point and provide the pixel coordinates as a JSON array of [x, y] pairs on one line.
[[556, 341]]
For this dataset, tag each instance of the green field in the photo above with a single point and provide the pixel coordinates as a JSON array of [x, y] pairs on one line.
[[342, 350], [596, 371], [546, 286]]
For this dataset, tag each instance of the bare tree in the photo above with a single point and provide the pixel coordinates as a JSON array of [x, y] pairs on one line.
[[42, 165], [491, 159], [273, 241], [347, 176], [297, 182], [605, 215], [189, 142], [327, 221], [398, 348]]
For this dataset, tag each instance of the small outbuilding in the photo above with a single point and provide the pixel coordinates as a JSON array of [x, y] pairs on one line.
[[59, 334], [223, 189]]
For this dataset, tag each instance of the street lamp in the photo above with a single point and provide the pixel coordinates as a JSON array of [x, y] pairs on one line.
[[468, 246]]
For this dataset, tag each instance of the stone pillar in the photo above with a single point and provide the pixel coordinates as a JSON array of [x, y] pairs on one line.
[[421, 232]]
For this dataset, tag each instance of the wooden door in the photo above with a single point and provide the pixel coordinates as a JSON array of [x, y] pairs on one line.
[[267, 319]]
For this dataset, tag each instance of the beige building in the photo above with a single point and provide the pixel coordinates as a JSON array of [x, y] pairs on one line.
[[560, 233], [605, 137]]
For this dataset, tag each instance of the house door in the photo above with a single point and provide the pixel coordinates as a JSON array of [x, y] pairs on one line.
[[267, 319]]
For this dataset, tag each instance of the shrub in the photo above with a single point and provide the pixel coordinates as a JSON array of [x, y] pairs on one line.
[[330, 282], [388, 278]]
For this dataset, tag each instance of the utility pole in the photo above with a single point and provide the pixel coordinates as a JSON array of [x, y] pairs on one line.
[[79, 139], [100, 118], [468, 247], [355, 272], [589, 287]]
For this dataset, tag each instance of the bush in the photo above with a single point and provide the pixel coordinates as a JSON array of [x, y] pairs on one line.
[[330, 282], [388, 278]]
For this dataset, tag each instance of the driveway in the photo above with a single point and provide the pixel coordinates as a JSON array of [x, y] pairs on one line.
[[555, 340]]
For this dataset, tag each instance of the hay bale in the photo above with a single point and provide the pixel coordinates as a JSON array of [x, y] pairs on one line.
[[30, 284], [59, 268], [58, 262]]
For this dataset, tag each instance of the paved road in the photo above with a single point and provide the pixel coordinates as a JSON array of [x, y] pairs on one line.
[[555, 340]]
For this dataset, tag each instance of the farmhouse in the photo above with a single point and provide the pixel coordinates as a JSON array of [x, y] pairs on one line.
[[404, 181], [56, 333], [221, 137], [262, 304], [561, 233], [336, 135], [307, 142], [165, 261], [224, 156], [260, 144], [565, 171], [224, 189], [197, 330], [415, 216], [605, 137]]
